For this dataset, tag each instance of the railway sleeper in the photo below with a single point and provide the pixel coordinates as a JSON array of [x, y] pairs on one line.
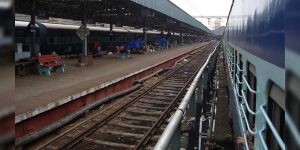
[[98, 144], [180, 84], [125, 125], [145, 106], [157, 102], [139, 118], [159, 99], [105, 137], [117, 133], [167, 88], [180, 77], [134, 122], [141, 111], [169, 95], [177, 79], [166, 91], [142, 104], [171, 85], [142, 114]]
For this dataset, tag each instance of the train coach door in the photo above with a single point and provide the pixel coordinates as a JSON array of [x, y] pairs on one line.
[[276, 114]]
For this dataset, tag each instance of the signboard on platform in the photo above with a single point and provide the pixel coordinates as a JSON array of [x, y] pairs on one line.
[[82, 32]]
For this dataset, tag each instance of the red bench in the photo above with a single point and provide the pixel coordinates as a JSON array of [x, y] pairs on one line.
[[48, 63]]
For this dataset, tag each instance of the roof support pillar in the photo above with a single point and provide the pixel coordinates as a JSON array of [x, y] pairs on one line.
[[33, 29], [145, 36], [83, 22], [161, 34], [181, 38], [111, 34], [169, 35], [174, 39]]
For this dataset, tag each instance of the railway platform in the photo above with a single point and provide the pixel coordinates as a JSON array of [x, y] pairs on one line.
[[36, 94]]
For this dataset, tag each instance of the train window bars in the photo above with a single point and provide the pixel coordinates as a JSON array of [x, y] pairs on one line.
[[248, 105], [292, 111], [240, 74], [275, 109], [235, 62], [251, 97]]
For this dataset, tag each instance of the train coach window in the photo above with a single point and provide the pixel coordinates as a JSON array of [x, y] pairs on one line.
[[251, 97], [292, 107], [235, 62], [276, 114], [231, 50], [240, 73], [293, 98]]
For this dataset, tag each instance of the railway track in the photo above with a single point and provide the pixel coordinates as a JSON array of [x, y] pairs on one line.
[[132, 122]]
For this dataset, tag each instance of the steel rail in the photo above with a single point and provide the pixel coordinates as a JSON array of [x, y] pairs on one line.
[[165, 113], [166, 137], [70, 143]]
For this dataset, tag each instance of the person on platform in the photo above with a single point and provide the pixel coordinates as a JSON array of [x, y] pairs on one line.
[[120, 49], [97, 48]]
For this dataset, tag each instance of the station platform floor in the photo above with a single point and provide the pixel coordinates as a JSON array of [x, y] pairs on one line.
[[33, 91]]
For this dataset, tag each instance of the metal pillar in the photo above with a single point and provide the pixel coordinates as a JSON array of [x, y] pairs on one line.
[[145, 36], [161, 33], [111, 34], [33, 29], [169, 36], [181, 38], [83, 22]]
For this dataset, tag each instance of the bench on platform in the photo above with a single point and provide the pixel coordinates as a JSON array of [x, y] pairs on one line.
[[100, 53], [48, 63], [159, 48], [122, 55]]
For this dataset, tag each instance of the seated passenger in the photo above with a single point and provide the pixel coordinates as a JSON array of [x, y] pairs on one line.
[[128, 51], [120, 49], [97, 47]]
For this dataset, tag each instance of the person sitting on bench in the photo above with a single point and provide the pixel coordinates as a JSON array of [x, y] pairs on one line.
[[120, 49], [122, 52], [97, 51]]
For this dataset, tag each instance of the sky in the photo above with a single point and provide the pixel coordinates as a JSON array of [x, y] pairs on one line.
[[205, 8]]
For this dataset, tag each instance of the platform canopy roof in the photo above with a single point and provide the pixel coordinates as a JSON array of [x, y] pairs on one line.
[[149, 14], [170, 9]]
